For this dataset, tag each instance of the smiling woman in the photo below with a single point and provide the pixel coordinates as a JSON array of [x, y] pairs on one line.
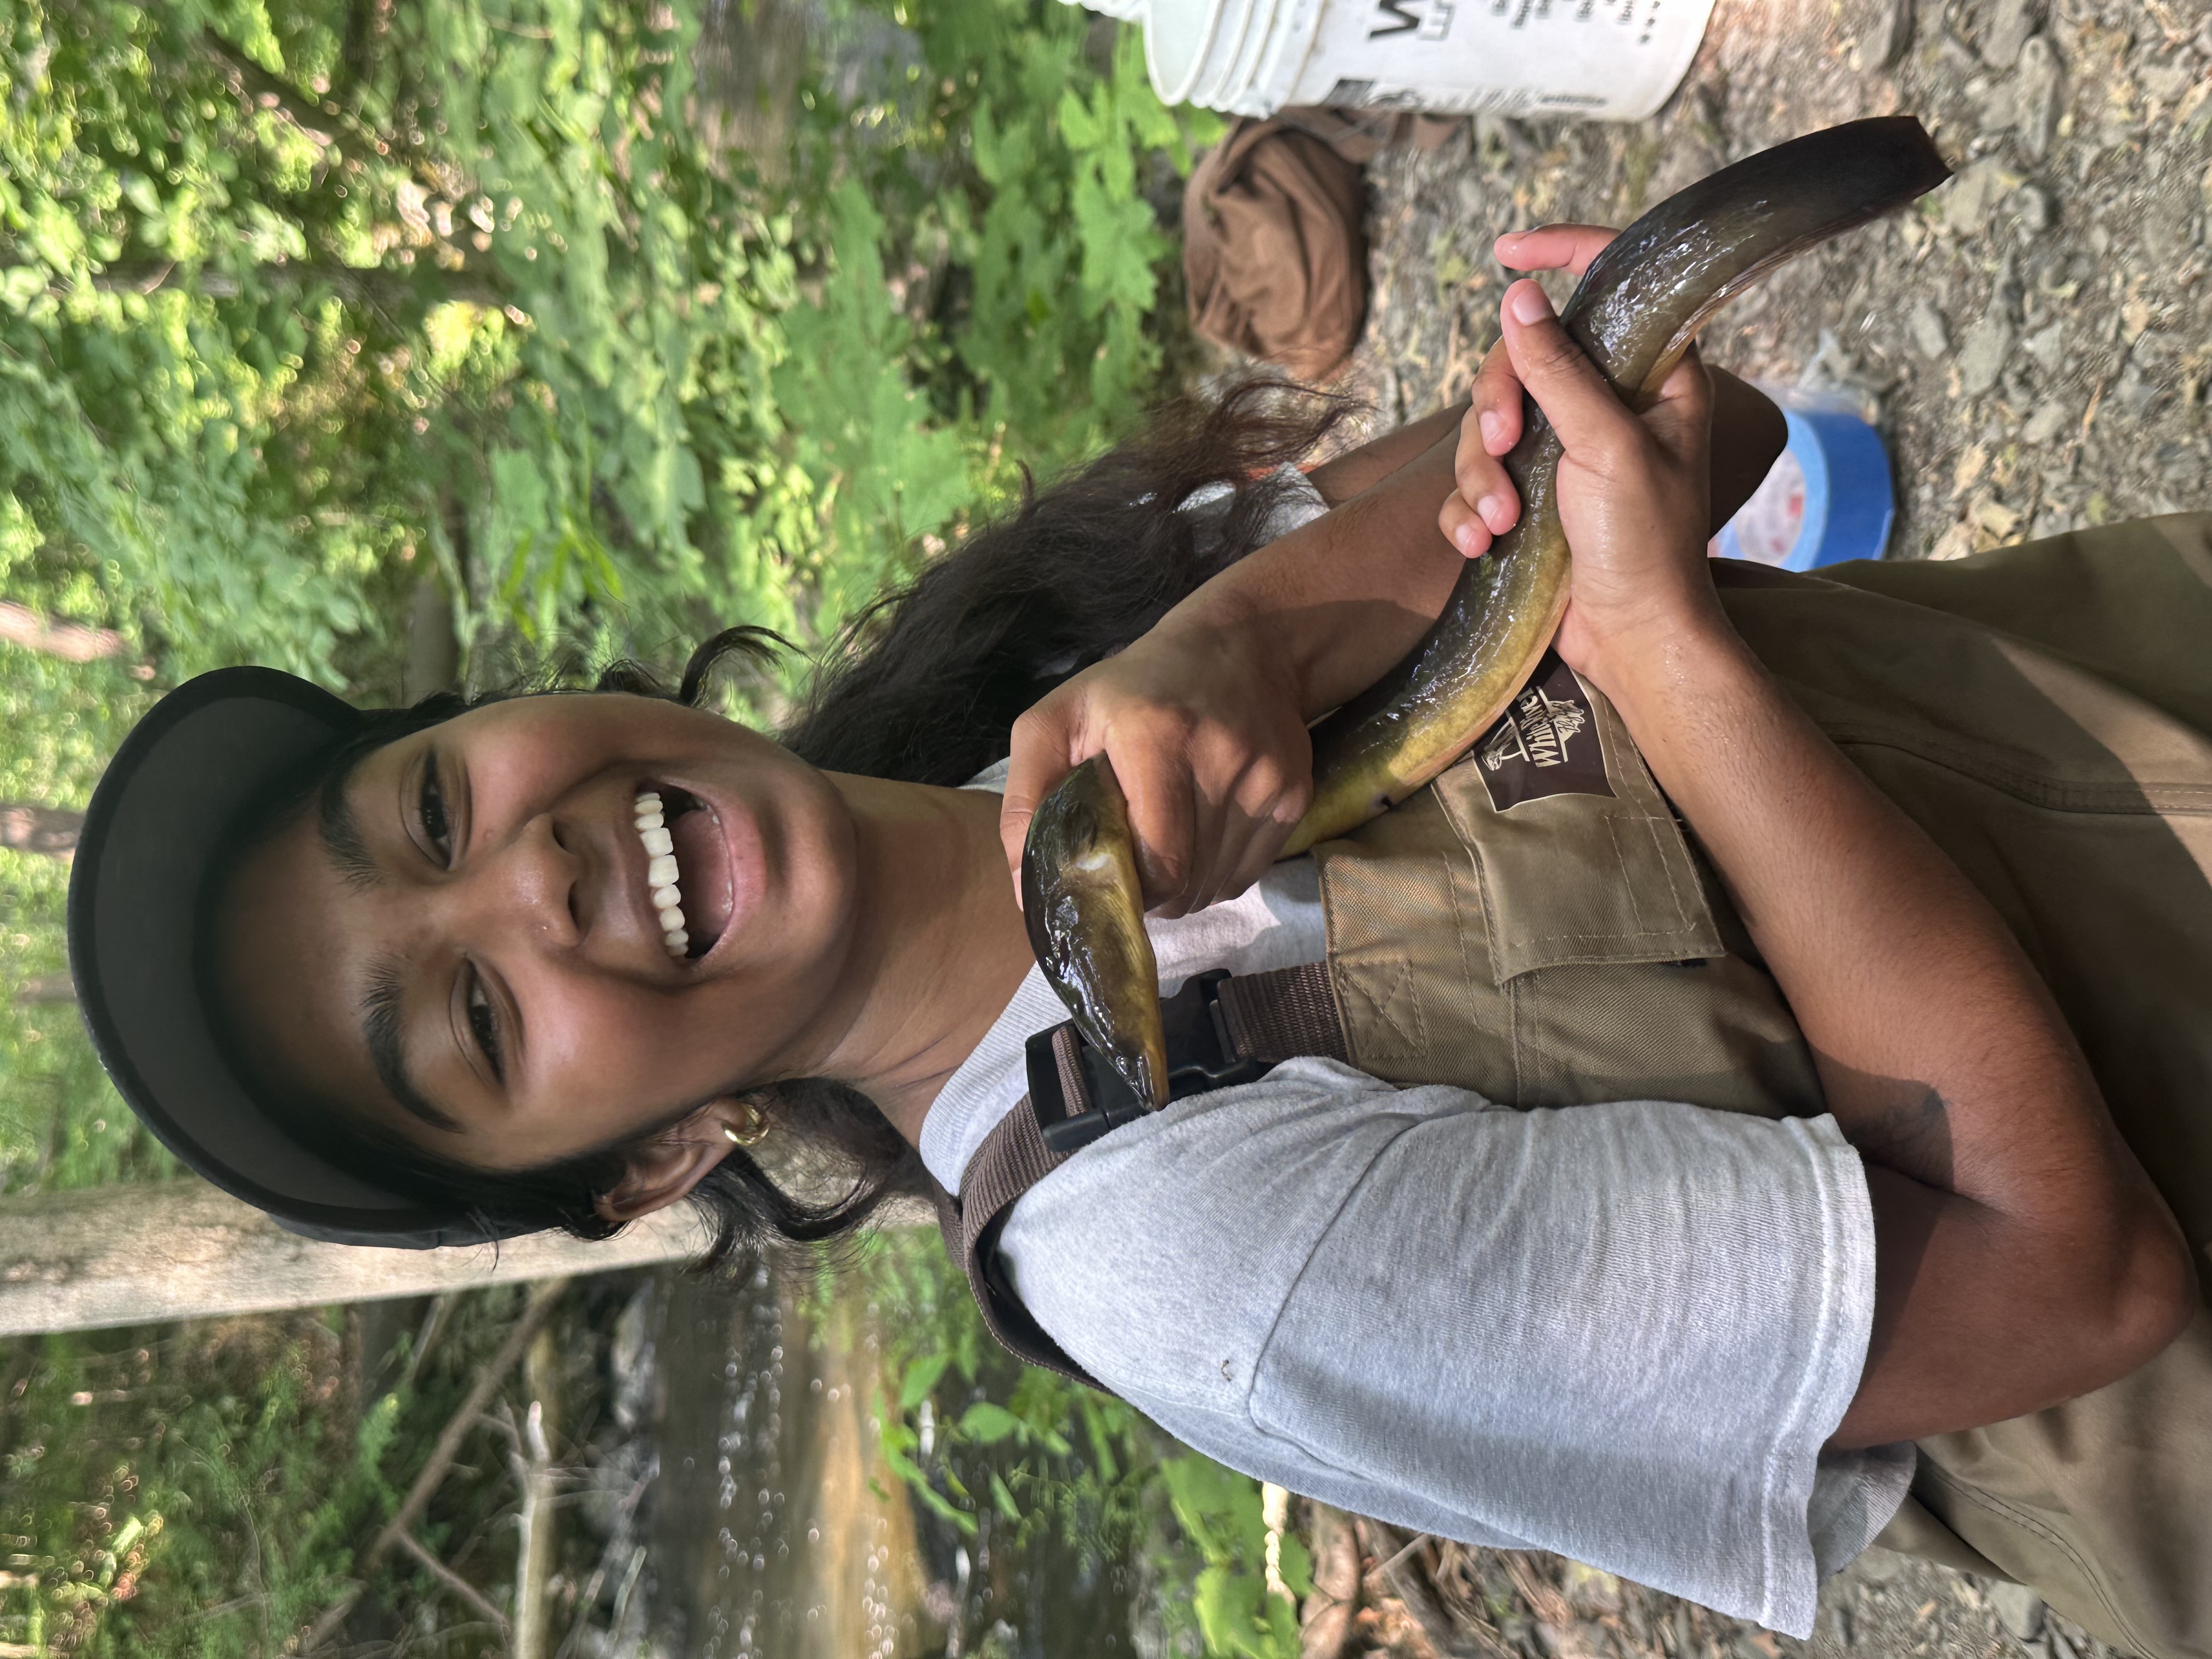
[[556, 959], [1840, 1238]]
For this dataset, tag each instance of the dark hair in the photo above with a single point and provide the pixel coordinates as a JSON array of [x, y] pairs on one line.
[[923, 686]]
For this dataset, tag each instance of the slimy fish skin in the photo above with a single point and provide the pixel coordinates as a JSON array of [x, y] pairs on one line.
[[1084, 908], [1635, 312]]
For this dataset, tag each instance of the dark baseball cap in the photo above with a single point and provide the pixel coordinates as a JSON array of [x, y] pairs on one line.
[[175, 798]]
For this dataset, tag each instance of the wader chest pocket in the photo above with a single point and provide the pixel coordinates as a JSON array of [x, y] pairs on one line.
[[1537, 951], [1569, 874]]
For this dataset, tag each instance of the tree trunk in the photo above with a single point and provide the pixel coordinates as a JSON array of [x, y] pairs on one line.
[[31, 828], [20, 625], [434, 652], [538, 1541], [47, 987], [181, 1249]]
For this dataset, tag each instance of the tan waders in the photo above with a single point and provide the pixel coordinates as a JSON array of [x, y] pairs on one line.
[[1535, 926]]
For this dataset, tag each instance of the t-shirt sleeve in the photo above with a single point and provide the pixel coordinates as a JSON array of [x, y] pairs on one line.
[[1619, 1332]]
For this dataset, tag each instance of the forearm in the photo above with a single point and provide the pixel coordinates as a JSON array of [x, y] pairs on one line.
[[1894, 966], [1360, 470], [1332, 605], [1343, 598], [1943, 1058]]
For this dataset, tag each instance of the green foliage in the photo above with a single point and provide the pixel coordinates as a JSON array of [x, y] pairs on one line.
[[972, 1432], [187, 1497], [300, 300], [1239, 1615], [199, 1491]]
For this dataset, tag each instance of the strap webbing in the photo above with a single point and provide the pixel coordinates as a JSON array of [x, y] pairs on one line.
[[1284, 1014], [1271, 1016]]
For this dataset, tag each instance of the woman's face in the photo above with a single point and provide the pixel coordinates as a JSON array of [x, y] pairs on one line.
[[462, 942]]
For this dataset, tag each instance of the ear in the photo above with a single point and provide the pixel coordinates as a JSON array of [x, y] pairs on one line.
[[667, 1167]]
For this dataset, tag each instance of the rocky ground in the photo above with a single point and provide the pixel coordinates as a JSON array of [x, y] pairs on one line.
[[2033, 342], [1378, 1592]]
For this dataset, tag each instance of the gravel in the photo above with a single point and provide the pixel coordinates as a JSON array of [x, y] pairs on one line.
[[2033, 341]]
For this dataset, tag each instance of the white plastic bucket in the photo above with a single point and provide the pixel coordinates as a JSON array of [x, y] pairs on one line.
[[1606, 60]]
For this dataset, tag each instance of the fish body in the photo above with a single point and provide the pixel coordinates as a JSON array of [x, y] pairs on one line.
[[1084, 908], [1635, 312]]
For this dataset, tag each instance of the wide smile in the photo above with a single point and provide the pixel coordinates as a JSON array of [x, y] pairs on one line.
[[687, 869]]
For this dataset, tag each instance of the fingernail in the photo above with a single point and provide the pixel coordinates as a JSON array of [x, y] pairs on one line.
[[1464, 539], [1527, 303], [1490, 424], [1490, 508]]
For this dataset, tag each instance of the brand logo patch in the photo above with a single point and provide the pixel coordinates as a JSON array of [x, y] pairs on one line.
[[1545, 744]]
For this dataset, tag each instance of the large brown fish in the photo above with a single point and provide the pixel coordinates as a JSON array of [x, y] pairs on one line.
[[1635, 312]]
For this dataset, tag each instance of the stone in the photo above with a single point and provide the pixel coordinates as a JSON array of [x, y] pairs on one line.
[[1928, 332], [2049, 420], [2011, 22], [1969, 197], [2047, 346], [2020, 1610], [1982, 359], [2139, 393], [2031, 208], [2035, 97]]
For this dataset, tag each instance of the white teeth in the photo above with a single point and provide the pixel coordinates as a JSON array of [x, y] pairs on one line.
[[661, 873]]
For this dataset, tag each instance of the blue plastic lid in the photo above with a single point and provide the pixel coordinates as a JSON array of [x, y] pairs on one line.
[[1829, 497]]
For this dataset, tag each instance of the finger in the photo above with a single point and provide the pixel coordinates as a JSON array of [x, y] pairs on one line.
[[1494, 405], [1680, 416], [1264, 845], [1566, 385], [1553, 247], [1163, 819], [1039, 759], [1462, 528]]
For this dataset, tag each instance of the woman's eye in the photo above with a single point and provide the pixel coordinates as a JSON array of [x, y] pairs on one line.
[[432, 806], [484, 1022]]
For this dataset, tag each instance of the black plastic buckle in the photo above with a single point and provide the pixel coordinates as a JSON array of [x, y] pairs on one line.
[[1200, 1058]]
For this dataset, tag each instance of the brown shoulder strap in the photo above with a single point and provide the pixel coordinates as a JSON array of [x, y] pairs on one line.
[[1266, 1018]]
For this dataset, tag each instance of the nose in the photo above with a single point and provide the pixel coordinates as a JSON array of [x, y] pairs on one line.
[[521, 891]]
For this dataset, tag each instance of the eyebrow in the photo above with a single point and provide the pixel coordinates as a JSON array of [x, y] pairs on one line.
[[380, 1027], [342, 838]]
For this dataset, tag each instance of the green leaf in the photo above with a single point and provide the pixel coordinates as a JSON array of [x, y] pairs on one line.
[[921, 1375], [987, 1424]]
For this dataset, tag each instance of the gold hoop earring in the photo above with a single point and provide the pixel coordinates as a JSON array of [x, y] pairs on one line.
[[754, 1132]]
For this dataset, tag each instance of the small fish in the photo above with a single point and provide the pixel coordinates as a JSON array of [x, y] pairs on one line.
[[1085, 907], [1635, 312]]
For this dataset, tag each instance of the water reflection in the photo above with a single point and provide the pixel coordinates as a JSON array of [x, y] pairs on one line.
[[775, 1532]]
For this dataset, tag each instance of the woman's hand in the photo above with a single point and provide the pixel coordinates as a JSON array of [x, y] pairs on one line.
[[1202, 726], [1632, 490], [1485, 504]]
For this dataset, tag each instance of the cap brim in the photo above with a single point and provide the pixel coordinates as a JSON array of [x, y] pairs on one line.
[[171, 800]]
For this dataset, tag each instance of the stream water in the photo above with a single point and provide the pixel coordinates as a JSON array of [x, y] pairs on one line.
[[770, 1528]]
